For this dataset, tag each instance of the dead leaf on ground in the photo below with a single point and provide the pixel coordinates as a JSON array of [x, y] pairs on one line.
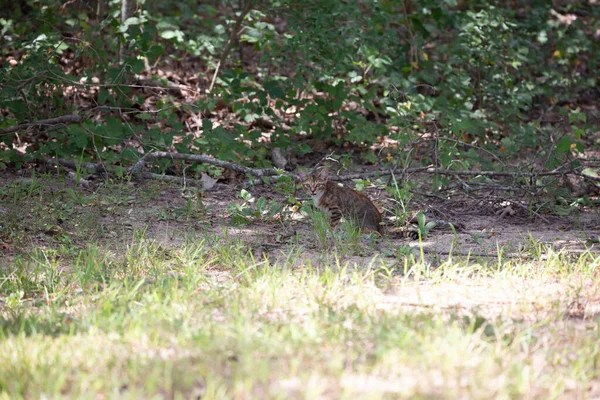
[[207, 182]]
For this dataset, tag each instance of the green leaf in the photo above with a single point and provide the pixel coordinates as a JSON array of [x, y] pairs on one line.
[[132, 21], [260, 203], [136, 65], [104, 96], [421, 219], [371, 157], [239, 220], [154, 52], [143, 116], [576, 116], [207, 126], [564, 144], [78, 136], [251, 117], [244, 194], [274, 90], [173, 34], [578, 132]]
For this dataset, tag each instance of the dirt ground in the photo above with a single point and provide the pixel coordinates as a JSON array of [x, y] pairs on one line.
[[54, 213], [166, 214], [481, 230], [112, 214]]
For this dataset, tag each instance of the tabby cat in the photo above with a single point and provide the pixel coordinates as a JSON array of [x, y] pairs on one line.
[[337, 201]]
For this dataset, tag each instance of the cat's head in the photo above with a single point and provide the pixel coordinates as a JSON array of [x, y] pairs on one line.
[[315, 182]]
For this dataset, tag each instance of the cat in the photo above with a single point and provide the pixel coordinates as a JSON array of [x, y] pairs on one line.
[[337, 202]]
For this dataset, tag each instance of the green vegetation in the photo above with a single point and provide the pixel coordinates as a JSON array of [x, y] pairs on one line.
[[215, 278], [459, 85], [116, 294], [209, 318]]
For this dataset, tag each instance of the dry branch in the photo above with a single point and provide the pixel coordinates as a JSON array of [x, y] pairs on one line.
[[138, 168], [171, 87], [263, 172], [170, 178], [432, 170], [363, 175], [63, 119], [74, 164], [258, 172]]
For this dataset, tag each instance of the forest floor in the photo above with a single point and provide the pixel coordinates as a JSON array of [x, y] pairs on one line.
[[101, 282]]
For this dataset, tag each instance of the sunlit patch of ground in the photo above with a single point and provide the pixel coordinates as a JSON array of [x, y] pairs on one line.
[[134, 291]]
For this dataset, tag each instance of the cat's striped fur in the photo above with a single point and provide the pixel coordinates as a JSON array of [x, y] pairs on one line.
[[337, 202]]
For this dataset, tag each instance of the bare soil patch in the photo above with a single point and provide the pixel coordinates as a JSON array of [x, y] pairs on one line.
[[166, 214]]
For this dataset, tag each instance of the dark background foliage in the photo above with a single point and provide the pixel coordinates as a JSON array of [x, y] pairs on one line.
[[464, 85]]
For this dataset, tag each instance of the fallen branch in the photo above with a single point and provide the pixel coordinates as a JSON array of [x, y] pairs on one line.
[[170, 178], [511, 174], [438, 171], [95, 167], [264, 172], [530, 210], [171, 87], [362, 175], [63, 119], [138, 167], [432, 170], [258, 172]]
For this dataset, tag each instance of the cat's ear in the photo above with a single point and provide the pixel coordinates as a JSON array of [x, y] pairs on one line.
[[302, 176], [323, 174]]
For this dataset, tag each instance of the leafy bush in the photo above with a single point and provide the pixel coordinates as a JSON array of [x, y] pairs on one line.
[[487, 82]]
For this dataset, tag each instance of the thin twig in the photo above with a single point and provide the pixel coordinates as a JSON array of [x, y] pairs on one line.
[[232, 36], [63, 119], [463, 143], [97, 152], [362, 175], [433, 170], [530, 210]]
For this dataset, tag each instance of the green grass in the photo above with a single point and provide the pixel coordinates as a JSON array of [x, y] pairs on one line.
[[209, 318], [89, 309]]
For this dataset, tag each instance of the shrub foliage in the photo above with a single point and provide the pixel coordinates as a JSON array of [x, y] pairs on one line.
[[455, 84]]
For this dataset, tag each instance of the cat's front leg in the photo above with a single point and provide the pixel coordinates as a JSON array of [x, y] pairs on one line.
[[335, 215]]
